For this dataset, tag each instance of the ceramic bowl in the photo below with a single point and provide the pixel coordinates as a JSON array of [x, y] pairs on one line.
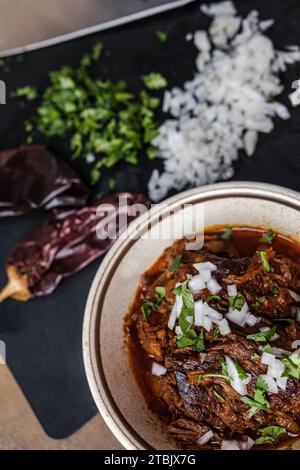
[[112, 384]]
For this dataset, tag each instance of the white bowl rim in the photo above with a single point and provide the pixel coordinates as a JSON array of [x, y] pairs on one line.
[[112, 416]]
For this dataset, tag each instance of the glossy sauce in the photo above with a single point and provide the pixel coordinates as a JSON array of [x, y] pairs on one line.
[[246, 241]]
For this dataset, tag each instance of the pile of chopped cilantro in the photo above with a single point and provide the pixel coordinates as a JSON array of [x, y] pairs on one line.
[[101, 118]]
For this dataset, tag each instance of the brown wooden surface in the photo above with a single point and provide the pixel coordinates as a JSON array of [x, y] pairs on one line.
[[19, 428]]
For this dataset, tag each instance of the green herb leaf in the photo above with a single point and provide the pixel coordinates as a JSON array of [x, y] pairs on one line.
[[149, 305], [259, 401], [28, 92], [199, 345], [227, 234], [160, 293], [147, 308], [162, 36], [263, 336], [292, 366], [154, 81], [216, 334], [268, 348], [255, 357], [175, 263], [218, 396], [237, 301], [241, 372], [213, 298], [270, 435], [264, 260], [188, 306], [267, 237]]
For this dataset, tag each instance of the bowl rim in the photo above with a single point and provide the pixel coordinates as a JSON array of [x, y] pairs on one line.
[[99, 388]]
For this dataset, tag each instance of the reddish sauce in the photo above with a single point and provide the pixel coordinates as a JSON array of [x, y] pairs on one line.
[[245, 240]]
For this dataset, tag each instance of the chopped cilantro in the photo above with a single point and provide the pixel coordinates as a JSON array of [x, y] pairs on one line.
[[292, 366], [218, 396], [162, 36], [237, 301], [227, 234], [259, 401], [267, 237], [264, 260], [263, 336], [149, 305], [175, 263], [154, 81], [213, 298], [255, 357], [270, 435], [97, 115], [28, 92]]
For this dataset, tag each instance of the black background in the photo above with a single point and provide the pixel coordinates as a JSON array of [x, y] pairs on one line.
[[43, 336]]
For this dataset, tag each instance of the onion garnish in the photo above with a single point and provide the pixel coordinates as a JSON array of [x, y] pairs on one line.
[[158, 369]]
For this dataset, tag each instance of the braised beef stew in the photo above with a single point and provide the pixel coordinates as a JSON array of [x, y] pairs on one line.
[[214, 340]]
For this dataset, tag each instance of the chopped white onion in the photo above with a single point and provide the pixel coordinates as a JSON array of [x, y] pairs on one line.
[[236, 382], [213, 286], [158, 369], [178, 330], [207, 323], [294, 295], [251, 320], [246, 445], [224, 327], [282, 382], [199, 313], [229, 445], [205, 438], [232, 290], [206, 275], [279, 352], [236, 317], [270, 381], [211, 313], [172, 317], [207, 265], [189, 318], [178, 305], [276, 369], [274, 337], [296, 343], [196, 284], [267, 358]]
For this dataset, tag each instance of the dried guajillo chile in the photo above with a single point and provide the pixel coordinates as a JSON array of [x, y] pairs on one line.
[[65, 243], [32, 177]]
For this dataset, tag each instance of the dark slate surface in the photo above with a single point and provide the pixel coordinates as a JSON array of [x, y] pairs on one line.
[[43, 337]]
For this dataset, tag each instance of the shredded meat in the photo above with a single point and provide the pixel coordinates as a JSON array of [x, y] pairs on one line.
[[195, 403]]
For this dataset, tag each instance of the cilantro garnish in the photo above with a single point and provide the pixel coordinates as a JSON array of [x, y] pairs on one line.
[[267, 237], [162, 36], [270, 435], [227, 234], [149, 305], [263, 336], [264, 260], [175, 263], [97, 115], [237, 301], [28, 92], [154, 81], [292, 366], [218, 396], [259, 401]]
